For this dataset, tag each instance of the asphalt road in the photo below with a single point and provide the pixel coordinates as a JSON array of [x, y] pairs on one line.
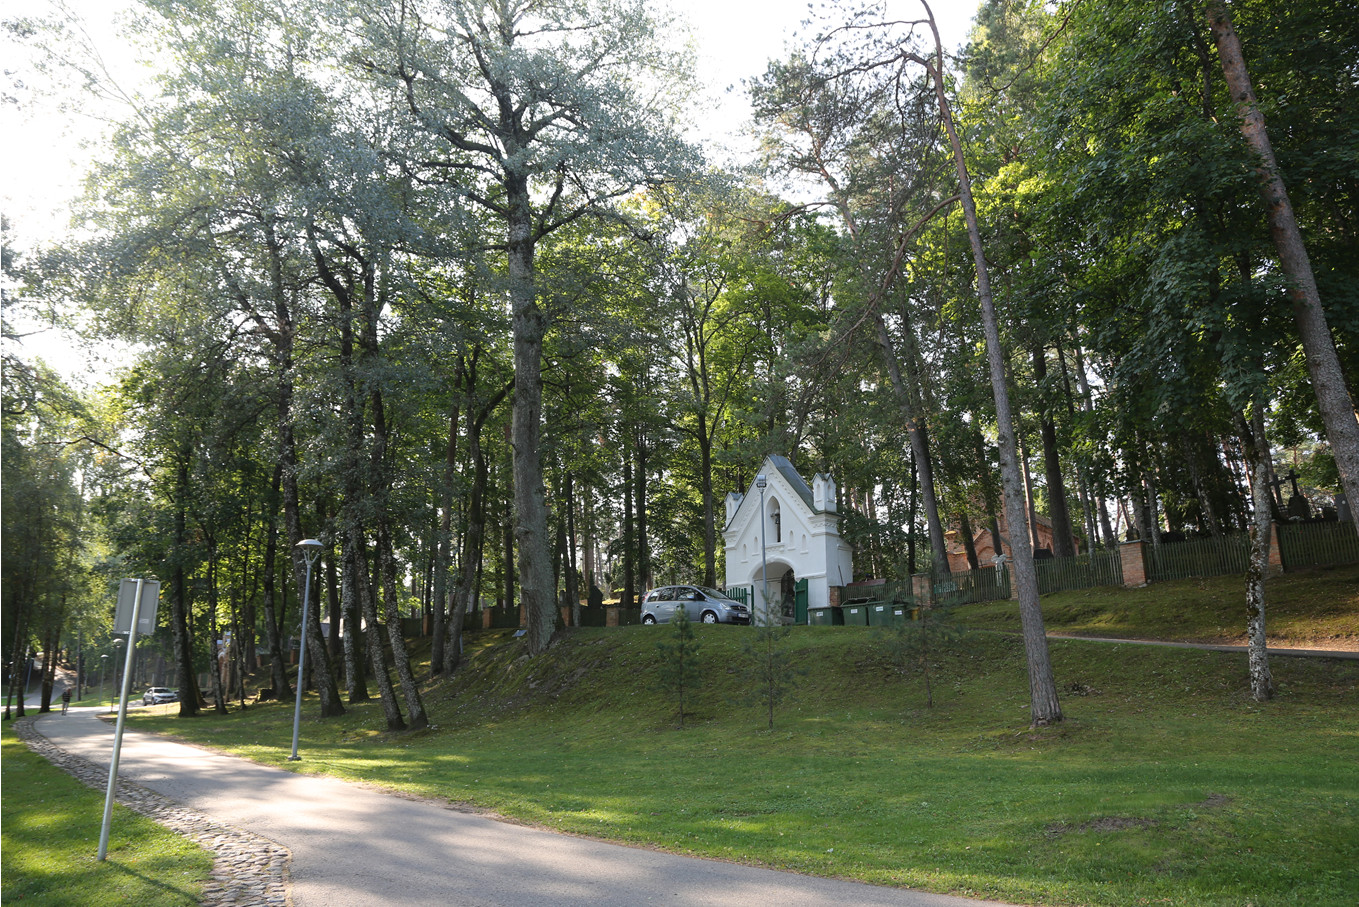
[[356, 847]]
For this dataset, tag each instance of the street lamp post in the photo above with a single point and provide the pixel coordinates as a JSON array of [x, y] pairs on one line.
[[103, 676], [311, 550], [760, 483]]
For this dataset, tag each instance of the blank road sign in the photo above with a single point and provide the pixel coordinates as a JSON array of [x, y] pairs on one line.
[[146, 620]]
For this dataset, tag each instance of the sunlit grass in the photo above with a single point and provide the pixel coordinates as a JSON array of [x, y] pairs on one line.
[[51, 841]]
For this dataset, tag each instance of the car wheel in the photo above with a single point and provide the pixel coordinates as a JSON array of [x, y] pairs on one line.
[[709, 617], [649, 619]]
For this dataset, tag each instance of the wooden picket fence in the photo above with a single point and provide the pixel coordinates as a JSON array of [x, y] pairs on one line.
[[1318, 544], [1095, 568], [1221, 556], [1301, 545], [963, 587]]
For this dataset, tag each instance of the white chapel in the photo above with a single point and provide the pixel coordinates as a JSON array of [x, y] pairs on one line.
[[789, 533]]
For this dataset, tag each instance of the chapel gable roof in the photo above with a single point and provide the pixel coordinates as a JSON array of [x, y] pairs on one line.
[[795, 481]]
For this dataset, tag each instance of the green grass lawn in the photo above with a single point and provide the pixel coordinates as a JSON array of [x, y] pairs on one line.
[[51, 828], [1166, 784]]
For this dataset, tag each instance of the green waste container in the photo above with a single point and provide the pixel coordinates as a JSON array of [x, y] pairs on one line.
[[903, 612], [855, 615], [880, 614], [825, 617]]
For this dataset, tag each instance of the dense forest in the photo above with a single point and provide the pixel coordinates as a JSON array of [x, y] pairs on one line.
[[447, 285]]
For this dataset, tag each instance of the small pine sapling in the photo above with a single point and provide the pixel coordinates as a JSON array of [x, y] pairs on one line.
[[770, 663], [679, 673], [912, 643]]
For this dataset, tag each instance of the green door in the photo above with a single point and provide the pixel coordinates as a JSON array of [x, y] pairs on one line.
[[800, 602]]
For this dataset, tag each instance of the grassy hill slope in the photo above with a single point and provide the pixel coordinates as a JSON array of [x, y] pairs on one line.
[[1166, 784]]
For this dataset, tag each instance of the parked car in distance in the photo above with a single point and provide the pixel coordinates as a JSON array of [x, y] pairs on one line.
[[700, 603], [157, 695]]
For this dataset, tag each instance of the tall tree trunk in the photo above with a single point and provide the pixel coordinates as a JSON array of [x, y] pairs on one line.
[[19, 652], [292, 517], [1257, 448], [1323, 366], [248, 616], [629, 573], [1153, 508], [354, 591], [444, 542], [410, 689], [472, 538], [1062, 543], [965, 534], [1098, 489], [572, 578], [219, 693], [1201, 492], [1044, 707], [372, 635], [920, 447], [189, 695], [530, 526], [1082, 473], [705, 460], [283, 690], [49, 665], [643, 540], [1030, 509]]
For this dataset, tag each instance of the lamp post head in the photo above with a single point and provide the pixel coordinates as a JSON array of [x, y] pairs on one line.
[[760, 481], [310, 548]]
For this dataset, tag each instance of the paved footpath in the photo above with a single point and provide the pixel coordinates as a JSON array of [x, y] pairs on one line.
[[353, 846]]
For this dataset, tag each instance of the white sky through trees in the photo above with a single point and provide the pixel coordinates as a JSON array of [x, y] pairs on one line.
[[49, 141]]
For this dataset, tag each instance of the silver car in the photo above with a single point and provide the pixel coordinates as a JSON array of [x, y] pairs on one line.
[[700, 603], [157, 695]]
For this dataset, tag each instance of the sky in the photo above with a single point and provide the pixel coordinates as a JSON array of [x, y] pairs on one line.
[[41, 170]]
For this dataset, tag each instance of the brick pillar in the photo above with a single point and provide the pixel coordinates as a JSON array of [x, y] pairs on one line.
[[1276, 565], [486, 618], [920, 588], [1133, 554], [836, 595], [611, 615]]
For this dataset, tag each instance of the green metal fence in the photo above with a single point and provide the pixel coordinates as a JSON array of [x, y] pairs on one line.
[[1096, 568], [1318, 544], [1222, 556], [742, 594]]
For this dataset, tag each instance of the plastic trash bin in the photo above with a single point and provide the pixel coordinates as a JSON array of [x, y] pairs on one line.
[[880, 614]]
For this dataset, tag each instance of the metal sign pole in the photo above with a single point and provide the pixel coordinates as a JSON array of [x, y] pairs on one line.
[[118, 732]]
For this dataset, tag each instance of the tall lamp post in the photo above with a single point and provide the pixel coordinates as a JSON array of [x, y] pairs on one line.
[[760, 483], [311, 550]]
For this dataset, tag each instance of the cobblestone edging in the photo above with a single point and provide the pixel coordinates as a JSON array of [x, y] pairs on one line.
[[247, 870]]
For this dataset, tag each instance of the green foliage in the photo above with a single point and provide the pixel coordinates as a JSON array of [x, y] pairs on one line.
[[677, 672]]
